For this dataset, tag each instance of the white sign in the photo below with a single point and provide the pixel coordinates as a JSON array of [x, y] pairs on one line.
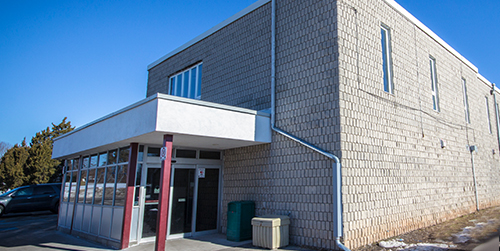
[[163, 153], [201, 172]]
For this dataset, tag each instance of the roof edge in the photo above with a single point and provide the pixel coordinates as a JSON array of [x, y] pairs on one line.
[[429, 32], [211, 31], [172, 98]]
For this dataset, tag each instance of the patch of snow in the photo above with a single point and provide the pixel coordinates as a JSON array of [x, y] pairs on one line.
[[391, 244]]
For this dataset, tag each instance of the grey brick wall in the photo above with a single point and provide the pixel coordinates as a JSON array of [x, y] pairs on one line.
[[396, 176], [236, 63], [329, 83], [285, 177]]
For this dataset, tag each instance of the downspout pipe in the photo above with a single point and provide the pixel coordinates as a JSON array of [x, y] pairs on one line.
[[337, 178], [493, 92]]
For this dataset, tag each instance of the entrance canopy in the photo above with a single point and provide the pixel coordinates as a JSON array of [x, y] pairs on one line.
[[193, 123]]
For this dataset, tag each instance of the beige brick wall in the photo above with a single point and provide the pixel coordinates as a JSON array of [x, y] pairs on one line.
[[396, 176]]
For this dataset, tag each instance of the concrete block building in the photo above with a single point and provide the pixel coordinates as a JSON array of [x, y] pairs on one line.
[[352, 117]]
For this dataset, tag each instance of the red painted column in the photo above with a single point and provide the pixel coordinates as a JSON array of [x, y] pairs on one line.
[[161, 222], [129, 197]]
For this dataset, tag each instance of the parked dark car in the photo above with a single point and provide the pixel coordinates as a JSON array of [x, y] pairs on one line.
[[31, 198]]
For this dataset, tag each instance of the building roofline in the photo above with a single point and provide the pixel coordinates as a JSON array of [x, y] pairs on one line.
[[429, 32], [211, 31]]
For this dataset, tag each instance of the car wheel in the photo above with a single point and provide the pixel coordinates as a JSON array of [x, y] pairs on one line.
[[1, 210], [55, 209]]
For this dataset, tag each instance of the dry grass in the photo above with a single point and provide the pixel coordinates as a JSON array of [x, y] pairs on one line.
[[482, 226]]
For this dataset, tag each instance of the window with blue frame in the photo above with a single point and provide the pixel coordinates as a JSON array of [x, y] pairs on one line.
[[187, 83]]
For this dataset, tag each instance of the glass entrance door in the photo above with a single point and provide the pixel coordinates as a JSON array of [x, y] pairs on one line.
[[194, 199], [152, 192]]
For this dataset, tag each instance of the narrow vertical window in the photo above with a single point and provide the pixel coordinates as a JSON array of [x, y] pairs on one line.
[[186, 83], [386, 58], [434, 86], [466, 101], [488, 114]]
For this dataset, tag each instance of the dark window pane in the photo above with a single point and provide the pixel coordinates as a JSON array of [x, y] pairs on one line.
[[198, 89], [69, 165], [99, 186], [153, 152], [67, 184], [185, 153], [72, 195], [76, 162], [121, 185], [44, 190], [85, 162], [124, 151], [192, 84], [90, 186], [83, 183], [24, 191], [140, 157], [112, 156], [209, 155], [185, 86], [109, 187], [138, 175]]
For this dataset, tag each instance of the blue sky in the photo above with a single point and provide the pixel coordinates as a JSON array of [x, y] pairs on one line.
[[86, 59]]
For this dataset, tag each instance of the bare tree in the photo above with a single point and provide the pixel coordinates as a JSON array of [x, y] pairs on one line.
[[4, 146]]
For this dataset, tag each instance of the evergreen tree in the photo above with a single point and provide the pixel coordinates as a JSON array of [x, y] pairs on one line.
[[13, 166], [41, 167], [33, 164]]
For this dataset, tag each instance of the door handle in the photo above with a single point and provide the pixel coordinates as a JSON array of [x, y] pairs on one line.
[[181, 200]]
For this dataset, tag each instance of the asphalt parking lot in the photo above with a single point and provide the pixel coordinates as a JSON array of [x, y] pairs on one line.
[[37, 231]]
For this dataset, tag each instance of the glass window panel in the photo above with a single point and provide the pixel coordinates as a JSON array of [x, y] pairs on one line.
[[209, 155], [140, 157], [136, 195], [153, 152], [85, 162], [67, 186], [93, 160], [185, 86], [124, 152], [185, 153], [112, 155], [192, 84], [172, 86], [76, 162], [99, 186], [69, 165], [121, 185], [109, 187], [198, 85], [90, 186], [73, 190], [83, 184], [138, 175], [103, 159], [27, 191], [178, 85]]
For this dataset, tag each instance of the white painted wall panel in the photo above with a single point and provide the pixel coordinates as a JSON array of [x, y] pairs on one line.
[[107, 214], [116, 227], [96, 220]]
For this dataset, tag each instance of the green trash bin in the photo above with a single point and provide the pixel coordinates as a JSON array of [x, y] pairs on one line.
[[239, 220]]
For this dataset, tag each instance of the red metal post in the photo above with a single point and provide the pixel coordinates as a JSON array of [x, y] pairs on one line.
[[129, 197], [162, 218]]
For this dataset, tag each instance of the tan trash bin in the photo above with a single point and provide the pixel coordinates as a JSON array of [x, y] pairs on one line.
[[270, 231]]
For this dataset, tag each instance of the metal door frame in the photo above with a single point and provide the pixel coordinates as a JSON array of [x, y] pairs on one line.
[[195, 201]]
